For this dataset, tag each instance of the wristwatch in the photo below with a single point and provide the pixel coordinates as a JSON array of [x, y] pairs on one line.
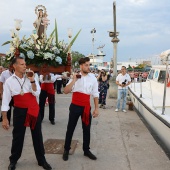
[[32, 81]]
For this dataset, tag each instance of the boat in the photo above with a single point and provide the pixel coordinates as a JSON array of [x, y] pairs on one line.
[[151, 99]]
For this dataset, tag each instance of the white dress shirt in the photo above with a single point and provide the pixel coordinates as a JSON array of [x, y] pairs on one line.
[[52, 80], [86, 84], [36, 77], [12, 87]]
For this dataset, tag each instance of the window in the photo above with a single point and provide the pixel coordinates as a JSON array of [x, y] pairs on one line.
[[162, 76], [151, 73]]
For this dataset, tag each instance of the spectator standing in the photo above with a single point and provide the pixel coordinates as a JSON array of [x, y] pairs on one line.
[[103, 86], [4, 76], [122, 80]]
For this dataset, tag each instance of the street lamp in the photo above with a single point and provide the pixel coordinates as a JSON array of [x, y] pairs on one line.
[[114, 40], [92, 32], [114, 34]]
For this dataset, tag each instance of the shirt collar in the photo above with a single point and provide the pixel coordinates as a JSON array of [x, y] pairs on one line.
[[14, 75]]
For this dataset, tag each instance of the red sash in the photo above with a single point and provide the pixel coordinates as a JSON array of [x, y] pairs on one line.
[[28, 100], [49, 87], [82, 99]]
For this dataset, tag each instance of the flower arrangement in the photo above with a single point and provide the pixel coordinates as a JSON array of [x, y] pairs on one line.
[[39, 51]]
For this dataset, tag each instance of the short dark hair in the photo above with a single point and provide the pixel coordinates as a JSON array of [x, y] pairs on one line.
[[14, 60], [124, 67], [83, 60]]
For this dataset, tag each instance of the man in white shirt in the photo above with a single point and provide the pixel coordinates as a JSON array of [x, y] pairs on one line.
[[47, 90], [59, 85], [122, 80], [82, 85], [4, 76], [25, 92]]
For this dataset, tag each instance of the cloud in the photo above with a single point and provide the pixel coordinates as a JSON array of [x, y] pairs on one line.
[[141, 23], [138, 1]]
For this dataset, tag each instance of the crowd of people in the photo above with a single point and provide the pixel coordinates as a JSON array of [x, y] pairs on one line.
[[33, 91], [138, 76]]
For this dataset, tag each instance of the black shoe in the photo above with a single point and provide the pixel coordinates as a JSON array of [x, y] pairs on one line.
[[65, 155], [1, 119], [90, 155], [45, 165], [11, 166], [52, 122]]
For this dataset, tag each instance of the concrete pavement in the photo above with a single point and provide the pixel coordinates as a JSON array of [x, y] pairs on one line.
[[119, 140]]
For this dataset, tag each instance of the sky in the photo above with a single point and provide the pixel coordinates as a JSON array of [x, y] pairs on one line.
[[143, 25]]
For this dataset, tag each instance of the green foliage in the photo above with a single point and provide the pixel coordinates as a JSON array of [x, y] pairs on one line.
[[7, 42], [75, 58]]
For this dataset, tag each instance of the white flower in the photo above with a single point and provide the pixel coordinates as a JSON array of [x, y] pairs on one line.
[[30, 44], [24, 39], [37, 46], [46, 47], [54, 48], [39, 42], [15, 40], [8, 52], [50, 40], [23, 45], [12, 33], [11, 55], [48, 56], [60, 43], [35, 36], [11, 49]]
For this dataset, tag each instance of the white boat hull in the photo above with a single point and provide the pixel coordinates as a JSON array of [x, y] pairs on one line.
[[160, 126]]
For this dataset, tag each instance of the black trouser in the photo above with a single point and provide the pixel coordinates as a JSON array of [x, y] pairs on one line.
[[59, 86], [75, 113], [65, 81], [55, 84], [51, 101], [19, 116]]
